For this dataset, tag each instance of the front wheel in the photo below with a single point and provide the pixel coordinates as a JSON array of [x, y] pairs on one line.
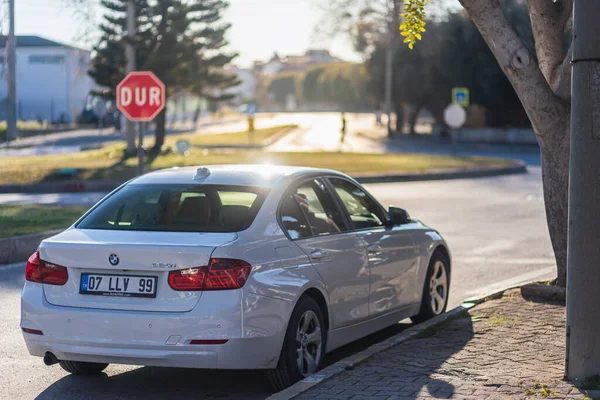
[[82, 368], [303, 345], [436, 288]]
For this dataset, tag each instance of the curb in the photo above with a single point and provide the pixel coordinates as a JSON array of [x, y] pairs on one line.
[[70, 186], [351, 362], [274, 138], [106, 186], [19, 248], [519, 168], [258, 146]]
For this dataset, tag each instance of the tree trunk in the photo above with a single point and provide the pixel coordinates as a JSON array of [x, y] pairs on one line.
[[543, 96], [399, 117], [159, 133], [555, 181], [413, 119]]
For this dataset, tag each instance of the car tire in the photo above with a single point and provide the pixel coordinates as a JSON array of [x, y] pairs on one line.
[[432, 305], [300, 341], [82, 368]]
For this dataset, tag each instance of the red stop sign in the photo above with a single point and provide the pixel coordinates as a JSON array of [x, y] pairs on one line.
[[140, 96]]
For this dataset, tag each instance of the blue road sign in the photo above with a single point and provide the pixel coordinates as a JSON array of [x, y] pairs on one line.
[[460, 96]]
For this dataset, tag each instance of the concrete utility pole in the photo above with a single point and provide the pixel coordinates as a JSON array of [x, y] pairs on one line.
[[393, 34], [389, 58], [583, 274], [11, 114], [130, 57]]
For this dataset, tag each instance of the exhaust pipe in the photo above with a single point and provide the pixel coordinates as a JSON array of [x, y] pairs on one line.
[[50, 359]]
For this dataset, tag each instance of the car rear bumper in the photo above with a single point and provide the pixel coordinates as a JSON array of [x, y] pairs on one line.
[[253, 326]]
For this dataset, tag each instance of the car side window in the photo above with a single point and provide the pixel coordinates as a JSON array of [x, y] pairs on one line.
[[364, 212], [318, 208], [293, 220]]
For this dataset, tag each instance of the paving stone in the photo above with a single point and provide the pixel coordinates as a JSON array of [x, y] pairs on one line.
[[511, 346]]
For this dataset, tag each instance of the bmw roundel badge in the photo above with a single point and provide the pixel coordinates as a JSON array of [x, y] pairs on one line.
[[113, 259]]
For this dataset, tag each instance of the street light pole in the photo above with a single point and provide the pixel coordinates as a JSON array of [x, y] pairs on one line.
[[393, 33], [583, 274], [130, 57], [11, 115], [389, 57]]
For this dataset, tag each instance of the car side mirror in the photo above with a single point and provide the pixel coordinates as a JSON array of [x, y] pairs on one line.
[[398, 216]]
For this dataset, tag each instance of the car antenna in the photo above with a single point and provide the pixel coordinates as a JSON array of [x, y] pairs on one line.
[[201, 173]]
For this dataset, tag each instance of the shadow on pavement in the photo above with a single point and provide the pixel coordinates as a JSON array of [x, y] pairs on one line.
[[362, 344], [161, 383], [413, 369]]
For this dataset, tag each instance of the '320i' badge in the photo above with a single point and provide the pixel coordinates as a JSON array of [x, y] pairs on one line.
[[164, 265], [113, 259]]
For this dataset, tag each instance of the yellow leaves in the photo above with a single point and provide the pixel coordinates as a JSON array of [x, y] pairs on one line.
[[414, 21]]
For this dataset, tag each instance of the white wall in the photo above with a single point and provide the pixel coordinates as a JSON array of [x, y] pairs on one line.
[[247, 88], [49, 90]]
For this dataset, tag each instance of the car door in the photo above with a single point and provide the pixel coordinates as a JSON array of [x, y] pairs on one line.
[[391, 250], [336, 252]]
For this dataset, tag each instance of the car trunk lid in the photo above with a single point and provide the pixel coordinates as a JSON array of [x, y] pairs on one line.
[[110, 253]]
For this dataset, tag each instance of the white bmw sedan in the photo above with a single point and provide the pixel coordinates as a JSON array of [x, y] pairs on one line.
[[229, 267]]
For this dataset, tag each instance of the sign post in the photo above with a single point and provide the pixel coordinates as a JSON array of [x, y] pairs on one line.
[[455, 117], [140, 97], [251, 111]]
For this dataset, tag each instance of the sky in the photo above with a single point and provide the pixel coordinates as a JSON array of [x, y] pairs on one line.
[[259, 27]]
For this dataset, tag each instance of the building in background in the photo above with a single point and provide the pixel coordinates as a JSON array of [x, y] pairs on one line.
[[52, 80], [245, 92], [293, 63]]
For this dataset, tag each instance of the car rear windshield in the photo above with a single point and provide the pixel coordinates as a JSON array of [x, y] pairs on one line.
[[177, 208]]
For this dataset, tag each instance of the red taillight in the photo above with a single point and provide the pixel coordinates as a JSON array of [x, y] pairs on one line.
[[33, 272], [209, 341], [220, 274], [187, 279], [33, 331], [40, 271], [225, 273]]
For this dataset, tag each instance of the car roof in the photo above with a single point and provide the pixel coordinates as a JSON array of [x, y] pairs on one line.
[[262, 175]]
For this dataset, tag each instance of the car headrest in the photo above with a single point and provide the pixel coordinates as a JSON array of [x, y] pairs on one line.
[[195, 210], [234, 216]]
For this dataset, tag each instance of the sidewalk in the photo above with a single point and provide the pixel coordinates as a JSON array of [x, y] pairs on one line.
[[75, 139], [504, 348]]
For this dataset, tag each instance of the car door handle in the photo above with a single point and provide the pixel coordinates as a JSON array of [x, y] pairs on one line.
[[318, 254], [374, 248]]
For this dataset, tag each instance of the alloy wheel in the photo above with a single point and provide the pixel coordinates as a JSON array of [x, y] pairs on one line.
[[309, 339], [438, 287]]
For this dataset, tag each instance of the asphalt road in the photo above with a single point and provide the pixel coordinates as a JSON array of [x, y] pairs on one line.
[[495, 228]]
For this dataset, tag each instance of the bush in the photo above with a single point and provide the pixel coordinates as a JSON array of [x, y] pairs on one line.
[[339, 84]]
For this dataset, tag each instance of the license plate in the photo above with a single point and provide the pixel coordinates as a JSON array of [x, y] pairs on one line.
[[118, 285]]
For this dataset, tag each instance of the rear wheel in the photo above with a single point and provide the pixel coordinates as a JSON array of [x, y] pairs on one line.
[[303, 346], [82, 368], [436, 288]]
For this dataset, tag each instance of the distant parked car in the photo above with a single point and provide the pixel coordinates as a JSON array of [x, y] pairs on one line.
[[229, 267], [88, 114]]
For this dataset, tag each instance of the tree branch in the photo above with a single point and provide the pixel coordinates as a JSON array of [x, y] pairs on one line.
[[544, 109], [548, 20]]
